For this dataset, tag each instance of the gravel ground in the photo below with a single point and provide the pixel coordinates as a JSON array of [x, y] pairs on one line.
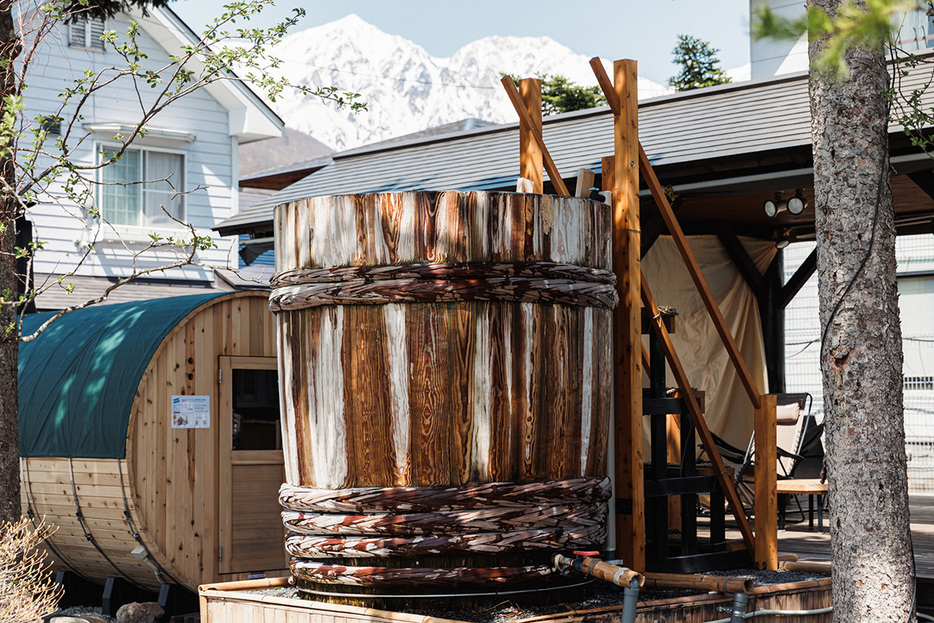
[[79, 611]]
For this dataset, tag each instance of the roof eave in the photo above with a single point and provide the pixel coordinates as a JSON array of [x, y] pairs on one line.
[[249, 117]]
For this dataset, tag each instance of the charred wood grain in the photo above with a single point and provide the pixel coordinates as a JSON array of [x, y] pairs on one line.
[[396, 228], [447, 370]]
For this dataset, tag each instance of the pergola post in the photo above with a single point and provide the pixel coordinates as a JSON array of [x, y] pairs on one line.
[[766, 496], [627, 340], [530, 153]]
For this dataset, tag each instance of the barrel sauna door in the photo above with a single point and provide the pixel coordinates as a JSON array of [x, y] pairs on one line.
[[250, 466]]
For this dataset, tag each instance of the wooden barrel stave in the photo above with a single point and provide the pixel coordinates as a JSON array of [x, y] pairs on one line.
[[48, 494], [482, 382]]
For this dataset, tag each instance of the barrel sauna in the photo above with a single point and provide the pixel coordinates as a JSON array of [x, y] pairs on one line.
[[107, 465], [446, 375]]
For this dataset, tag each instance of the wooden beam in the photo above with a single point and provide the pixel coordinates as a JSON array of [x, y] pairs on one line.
[[608, 177], [664, 207], [797, 281], [627, 326], [608, 172], [530, 153], [612, 99], [772, 315], [742, 261], [697, 417], [524, 116], [713, 309], [766, 484], [585, 181], [924, 180]]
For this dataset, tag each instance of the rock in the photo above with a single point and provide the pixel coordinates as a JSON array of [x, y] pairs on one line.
[[146, 612], [68, 620]]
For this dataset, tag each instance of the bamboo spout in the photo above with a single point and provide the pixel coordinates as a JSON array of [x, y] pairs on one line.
[[699, 582], [620, 576], [805, 565]]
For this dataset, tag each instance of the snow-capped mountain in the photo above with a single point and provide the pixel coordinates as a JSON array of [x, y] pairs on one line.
[[406, 89]]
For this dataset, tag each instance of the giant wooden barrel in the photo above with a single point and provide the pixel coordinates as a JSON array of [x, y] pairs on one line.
[[445, 361]]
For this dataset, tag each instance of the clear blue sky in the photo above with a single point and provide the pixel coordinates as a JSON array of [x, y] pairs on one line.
[[642, 29]]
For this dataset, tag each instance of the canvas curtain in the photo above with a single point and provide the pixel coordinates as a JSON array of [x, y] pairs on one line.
[[705, 360]]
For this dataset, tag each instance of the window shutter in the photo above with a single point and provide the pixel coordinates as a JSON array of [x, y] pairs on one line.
[[97, 31], [77, 31], [86, 33]]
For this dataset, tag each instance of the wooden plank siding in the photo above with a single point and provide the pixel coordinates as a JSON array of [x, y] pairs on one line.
[[187, 471], [230, 604]]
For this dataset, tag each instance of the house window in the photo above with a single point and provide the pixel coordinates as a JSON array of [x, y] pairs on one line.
[[143, 188], [86, 33]]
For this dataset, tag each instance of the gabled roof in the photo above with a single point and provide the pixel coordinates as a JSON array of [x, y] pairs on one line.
[[716, 123], [250, 118], [277, 178]]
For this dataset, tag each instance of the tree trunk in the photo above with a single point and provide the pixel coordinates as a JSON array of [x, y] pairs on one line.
[[9, 345], [861, 356]]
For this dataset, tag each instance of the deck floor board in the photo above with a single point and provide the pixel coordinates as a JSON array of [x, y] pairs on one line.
[[805, 542]]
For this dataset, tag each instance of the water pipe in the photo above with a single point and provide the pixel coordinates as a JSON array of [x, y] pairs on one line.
[[739, 607]]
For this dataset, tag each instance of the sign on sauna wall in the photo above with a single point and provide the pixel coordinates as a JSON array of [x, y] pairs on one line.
[[191, 412]]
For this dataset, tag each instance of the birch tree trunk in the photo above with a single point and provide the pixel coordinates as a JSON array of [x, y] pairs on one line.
[[9, 344], [861, 356]]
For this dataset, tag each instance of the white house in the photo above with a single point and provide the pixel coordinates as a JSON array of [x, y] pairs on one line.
[[186, 163]]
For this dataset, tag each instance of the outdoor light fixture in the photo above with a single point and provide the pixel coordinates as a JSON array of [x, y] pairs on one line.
[[797, 204], [773, 206], [794, 205]]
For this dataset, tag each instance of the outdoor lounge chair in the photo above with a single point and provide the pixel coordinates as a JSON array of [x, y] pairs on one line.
[[793, 426]]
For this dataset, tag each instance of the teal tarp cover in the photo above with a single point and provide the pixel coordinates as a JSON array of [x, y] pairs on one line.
[[77, 379]]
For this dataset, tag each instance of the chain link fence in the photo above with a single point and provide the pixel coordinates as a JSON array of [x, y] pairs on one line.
[[916, 302]]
